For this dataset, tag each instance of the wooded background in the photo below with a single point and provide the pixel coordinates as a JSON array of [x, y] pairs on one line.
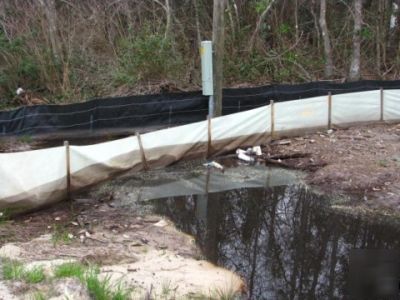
[[69, 50]]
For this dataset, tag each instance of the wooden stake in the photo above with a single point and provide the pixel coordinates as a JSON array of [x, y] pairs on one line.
[[68, 167], [329, 110], [382, 104], [271, 103], [142, 154], [209, 143]]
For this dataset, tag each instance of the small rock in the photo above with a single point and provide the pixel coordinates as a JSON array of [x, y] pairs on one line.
[[312, 141]]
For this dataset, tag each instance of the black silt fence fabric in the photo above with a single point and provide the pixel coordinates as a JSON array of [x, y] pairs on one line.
[[163, 109]]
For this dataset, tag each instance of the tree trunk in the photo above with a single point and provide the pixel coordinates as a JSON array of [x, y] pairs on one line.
[[327, 41], [218, 43], [51, 16], [259, 23], [354, 73], [296, 19], [198, 31], [168, 26]]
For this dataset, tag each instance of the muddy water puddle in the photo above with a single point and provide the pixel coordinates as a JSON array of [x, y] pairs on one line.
[[266, 226]]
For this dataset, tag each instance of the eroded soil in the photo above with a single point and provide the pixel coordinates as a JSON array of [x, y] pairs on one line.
[[361, 161], [136, 250]]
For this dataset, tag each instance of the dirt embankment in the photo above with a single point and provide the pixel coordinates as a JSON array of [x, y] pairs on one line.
[[361, 161], [142, 253]]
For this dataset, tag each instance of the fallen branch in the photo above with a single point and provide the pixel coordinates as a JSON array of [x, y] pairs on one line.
[[289, 156]]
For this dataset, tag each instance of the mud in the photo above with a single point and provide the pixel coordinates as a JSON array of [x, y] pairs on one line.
[[362, 162], [107, 226]]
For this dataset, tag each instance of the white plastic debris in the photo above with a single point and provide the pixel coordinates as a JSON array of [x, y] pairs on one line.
[[245, 157], [257, 150], [238, 151], [20, 91], [214, 164]]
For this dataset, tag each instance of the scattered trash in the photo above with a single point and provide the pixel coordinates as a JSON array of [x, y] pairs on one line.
[[57, 219], [70, 236], [244, 156], [329, 131], [257, 150], [74, 223], [214, 164], [248, 155], [312, 141]]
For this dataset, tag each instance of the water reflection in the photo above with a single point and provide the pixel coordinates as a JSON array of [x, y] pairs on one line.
[[282, 240]]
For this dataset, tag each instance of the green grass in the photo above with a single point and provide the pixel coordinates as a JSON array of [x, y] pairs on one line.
[[70, 269], [99, 289], [102, 289], [12, 270], [35, 275]]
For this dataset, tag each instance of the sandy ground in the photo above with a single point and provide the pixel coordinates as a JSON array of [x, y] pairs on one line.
[[362, 162], [140, 251]]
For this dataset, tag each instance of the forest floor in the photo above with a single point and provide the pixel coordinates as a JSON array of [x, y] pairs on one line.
[[361, 162]]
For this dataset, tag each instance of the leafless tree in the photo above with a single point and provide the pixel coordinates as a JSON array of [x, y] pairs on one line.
[[326, 40], [355, 72]]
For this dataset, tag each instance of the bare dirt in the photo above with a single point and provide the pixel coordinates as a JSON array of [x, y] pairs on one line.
[[362, 162], [147, 251], [136, 250]]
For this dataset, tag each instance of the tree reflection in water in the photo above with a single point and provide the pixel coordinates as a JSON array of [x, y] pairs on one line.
[[284, 241]]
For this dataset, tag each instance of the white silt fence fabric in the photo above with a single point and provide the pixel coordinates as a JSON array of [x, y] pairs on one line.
[[245, 123], [34, 178], [310, 113], [391, 106], [239, 129], [356, 107], [95, 163], [165, 146]]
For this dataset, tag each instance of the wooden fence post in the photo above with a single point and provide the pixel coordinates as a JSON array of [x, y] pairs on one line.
[[382, 104], [142, 154], [68, 167], [209, 142], [330, 110], [271, 103]]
